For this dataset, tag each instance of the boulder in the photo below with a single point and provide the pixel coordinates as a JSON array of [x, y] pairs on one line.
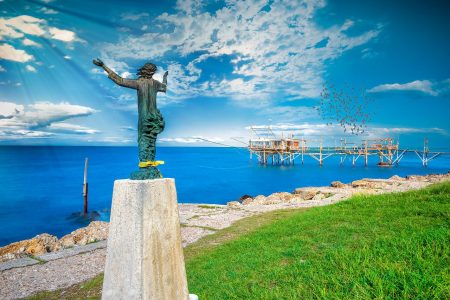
[[258, 200], [38, 245], [396, 178], [363, 184], [244, 197], [319, 196], [276, 198], [415, 178], [434, 177], [306, 194], [337, 184], [96, 231], [235, 203]]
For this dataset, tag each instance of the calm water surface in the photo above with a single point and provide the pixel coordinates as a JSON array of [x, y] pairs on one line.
[[40, 187]]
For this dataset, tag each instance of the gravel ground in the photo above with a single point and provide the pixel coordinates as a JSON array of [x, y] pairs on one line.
[[23, 282], [197, 221]]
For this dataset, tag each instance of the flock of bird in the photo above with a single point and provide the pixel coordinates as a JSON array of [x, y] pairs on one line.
[[347, 107]]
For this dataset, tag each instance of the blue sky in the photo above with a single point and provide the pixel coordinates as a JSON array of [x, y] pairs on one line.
[[232, 64]]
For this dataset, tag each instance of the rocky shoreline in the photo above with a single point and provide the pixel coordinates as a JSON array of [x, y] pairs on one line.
[[46, 263], [98, 230]]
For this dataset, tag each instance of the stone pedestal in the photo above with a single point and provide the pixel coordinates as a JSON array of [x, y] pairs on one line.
[[144, 256]]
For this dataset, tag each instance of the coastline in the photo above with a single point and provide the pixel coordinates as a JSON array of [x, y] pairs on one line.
[[46, 268], [193, 214]]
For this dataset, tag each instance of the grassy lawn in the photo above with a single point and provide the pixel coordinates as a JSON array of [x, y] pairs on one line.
[[387, 247]]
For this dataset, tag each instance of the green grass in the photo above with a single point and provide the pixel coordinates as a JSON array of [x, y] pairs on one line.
[[393, 246], [386, 247]]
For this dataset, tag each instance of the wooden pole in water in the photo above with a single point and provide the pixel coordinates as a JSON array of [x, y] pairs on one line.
[[85, 188]]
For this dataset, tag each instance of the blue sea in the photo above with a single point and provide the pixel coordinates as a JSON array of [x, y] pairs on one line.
[[41, 187]]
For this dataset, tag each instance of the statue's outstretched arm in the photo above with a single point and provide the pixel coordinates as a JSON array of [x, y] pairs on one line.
[[129, 83]]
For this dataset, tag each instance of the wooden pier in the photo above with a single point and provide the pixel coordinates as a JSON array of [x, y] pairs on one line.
[[274, 150]]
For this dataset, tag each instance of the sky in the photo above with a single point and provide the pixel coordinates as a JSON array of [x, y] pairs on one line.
[[232, 65]]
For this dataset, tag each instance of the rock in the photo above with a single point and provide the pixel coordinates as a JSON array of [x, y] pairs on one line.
[[244, 197], [38, 245], [258, 200], [96, 231], [319, 196], [435, 177], [306, 194], [416, 178], [11, 256], [276, 198], [363, 184], [337, 184], [234, 203], [396, 178]]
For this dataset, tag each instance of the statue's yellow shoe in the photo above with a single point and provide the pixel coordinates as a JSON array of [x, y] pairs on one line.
[[146, 164]]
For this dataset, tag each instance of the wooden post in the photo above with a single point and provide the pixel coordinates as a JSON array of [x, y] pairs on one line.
[[366, 158], [303, 143], [320, 160], [85, 188]]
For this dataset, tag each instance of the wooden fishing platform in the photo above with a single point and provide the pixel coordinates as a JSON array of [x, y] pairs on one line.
[[274, 150]]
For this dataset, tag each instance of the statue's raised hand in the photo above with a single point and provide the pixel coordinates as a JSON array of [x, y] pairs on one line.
[[166, 73], [98, 62]]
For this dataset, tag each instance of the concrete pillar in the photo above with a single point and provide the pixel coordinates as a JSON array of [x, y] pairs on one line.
[[144, 256]]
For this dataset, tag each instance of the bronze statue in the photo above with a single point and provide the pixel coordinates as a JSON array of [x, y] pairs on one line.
[[150, 120]]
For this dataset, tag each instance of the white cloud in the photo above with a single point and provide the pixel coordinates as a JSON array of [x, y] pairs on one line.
[[18, 27], [62, 127], [98, 71], [44, 113], [9, 109], [113, 139], [48, 11], [133, 17], [290, 113], [23, 134], [191, 140], [408, 130], [8, 52], [330, 131], [306, 129], [125, 74], [28, 42], [11, 83], [41, 119], [423, 86], [31, 68], [67, 57], [273, 46], [62, 34]]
